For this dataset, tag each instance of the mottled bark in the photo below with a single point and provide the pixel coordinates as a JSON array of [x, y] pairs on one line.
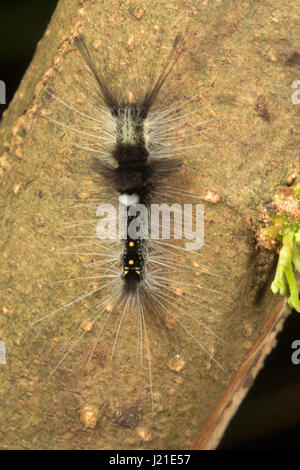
[[244, 54]]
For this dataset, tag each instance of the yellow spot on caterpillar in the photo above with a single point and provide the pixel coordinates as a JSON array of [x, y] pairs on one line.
[[131, 243], [131, 262], [138, 272]]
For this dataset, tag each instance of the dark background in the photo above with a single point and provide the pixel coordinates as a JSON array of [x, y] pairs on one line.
[[269, 417]]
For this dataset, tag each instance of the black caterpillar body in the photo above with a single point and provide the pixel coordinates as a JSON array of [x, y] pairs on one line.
[[137, 173]]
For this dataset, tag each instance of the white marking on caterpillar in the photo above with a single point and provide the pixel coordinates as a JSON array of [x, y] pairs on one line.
[[128, 199]]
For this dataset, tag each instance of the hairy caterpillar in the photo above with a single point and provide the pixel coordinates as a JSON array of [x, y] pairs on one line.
[[135, 134]]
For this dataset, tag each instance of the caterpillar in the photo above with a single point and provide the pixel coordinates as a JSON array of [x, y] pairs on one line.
[[126, 118]]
